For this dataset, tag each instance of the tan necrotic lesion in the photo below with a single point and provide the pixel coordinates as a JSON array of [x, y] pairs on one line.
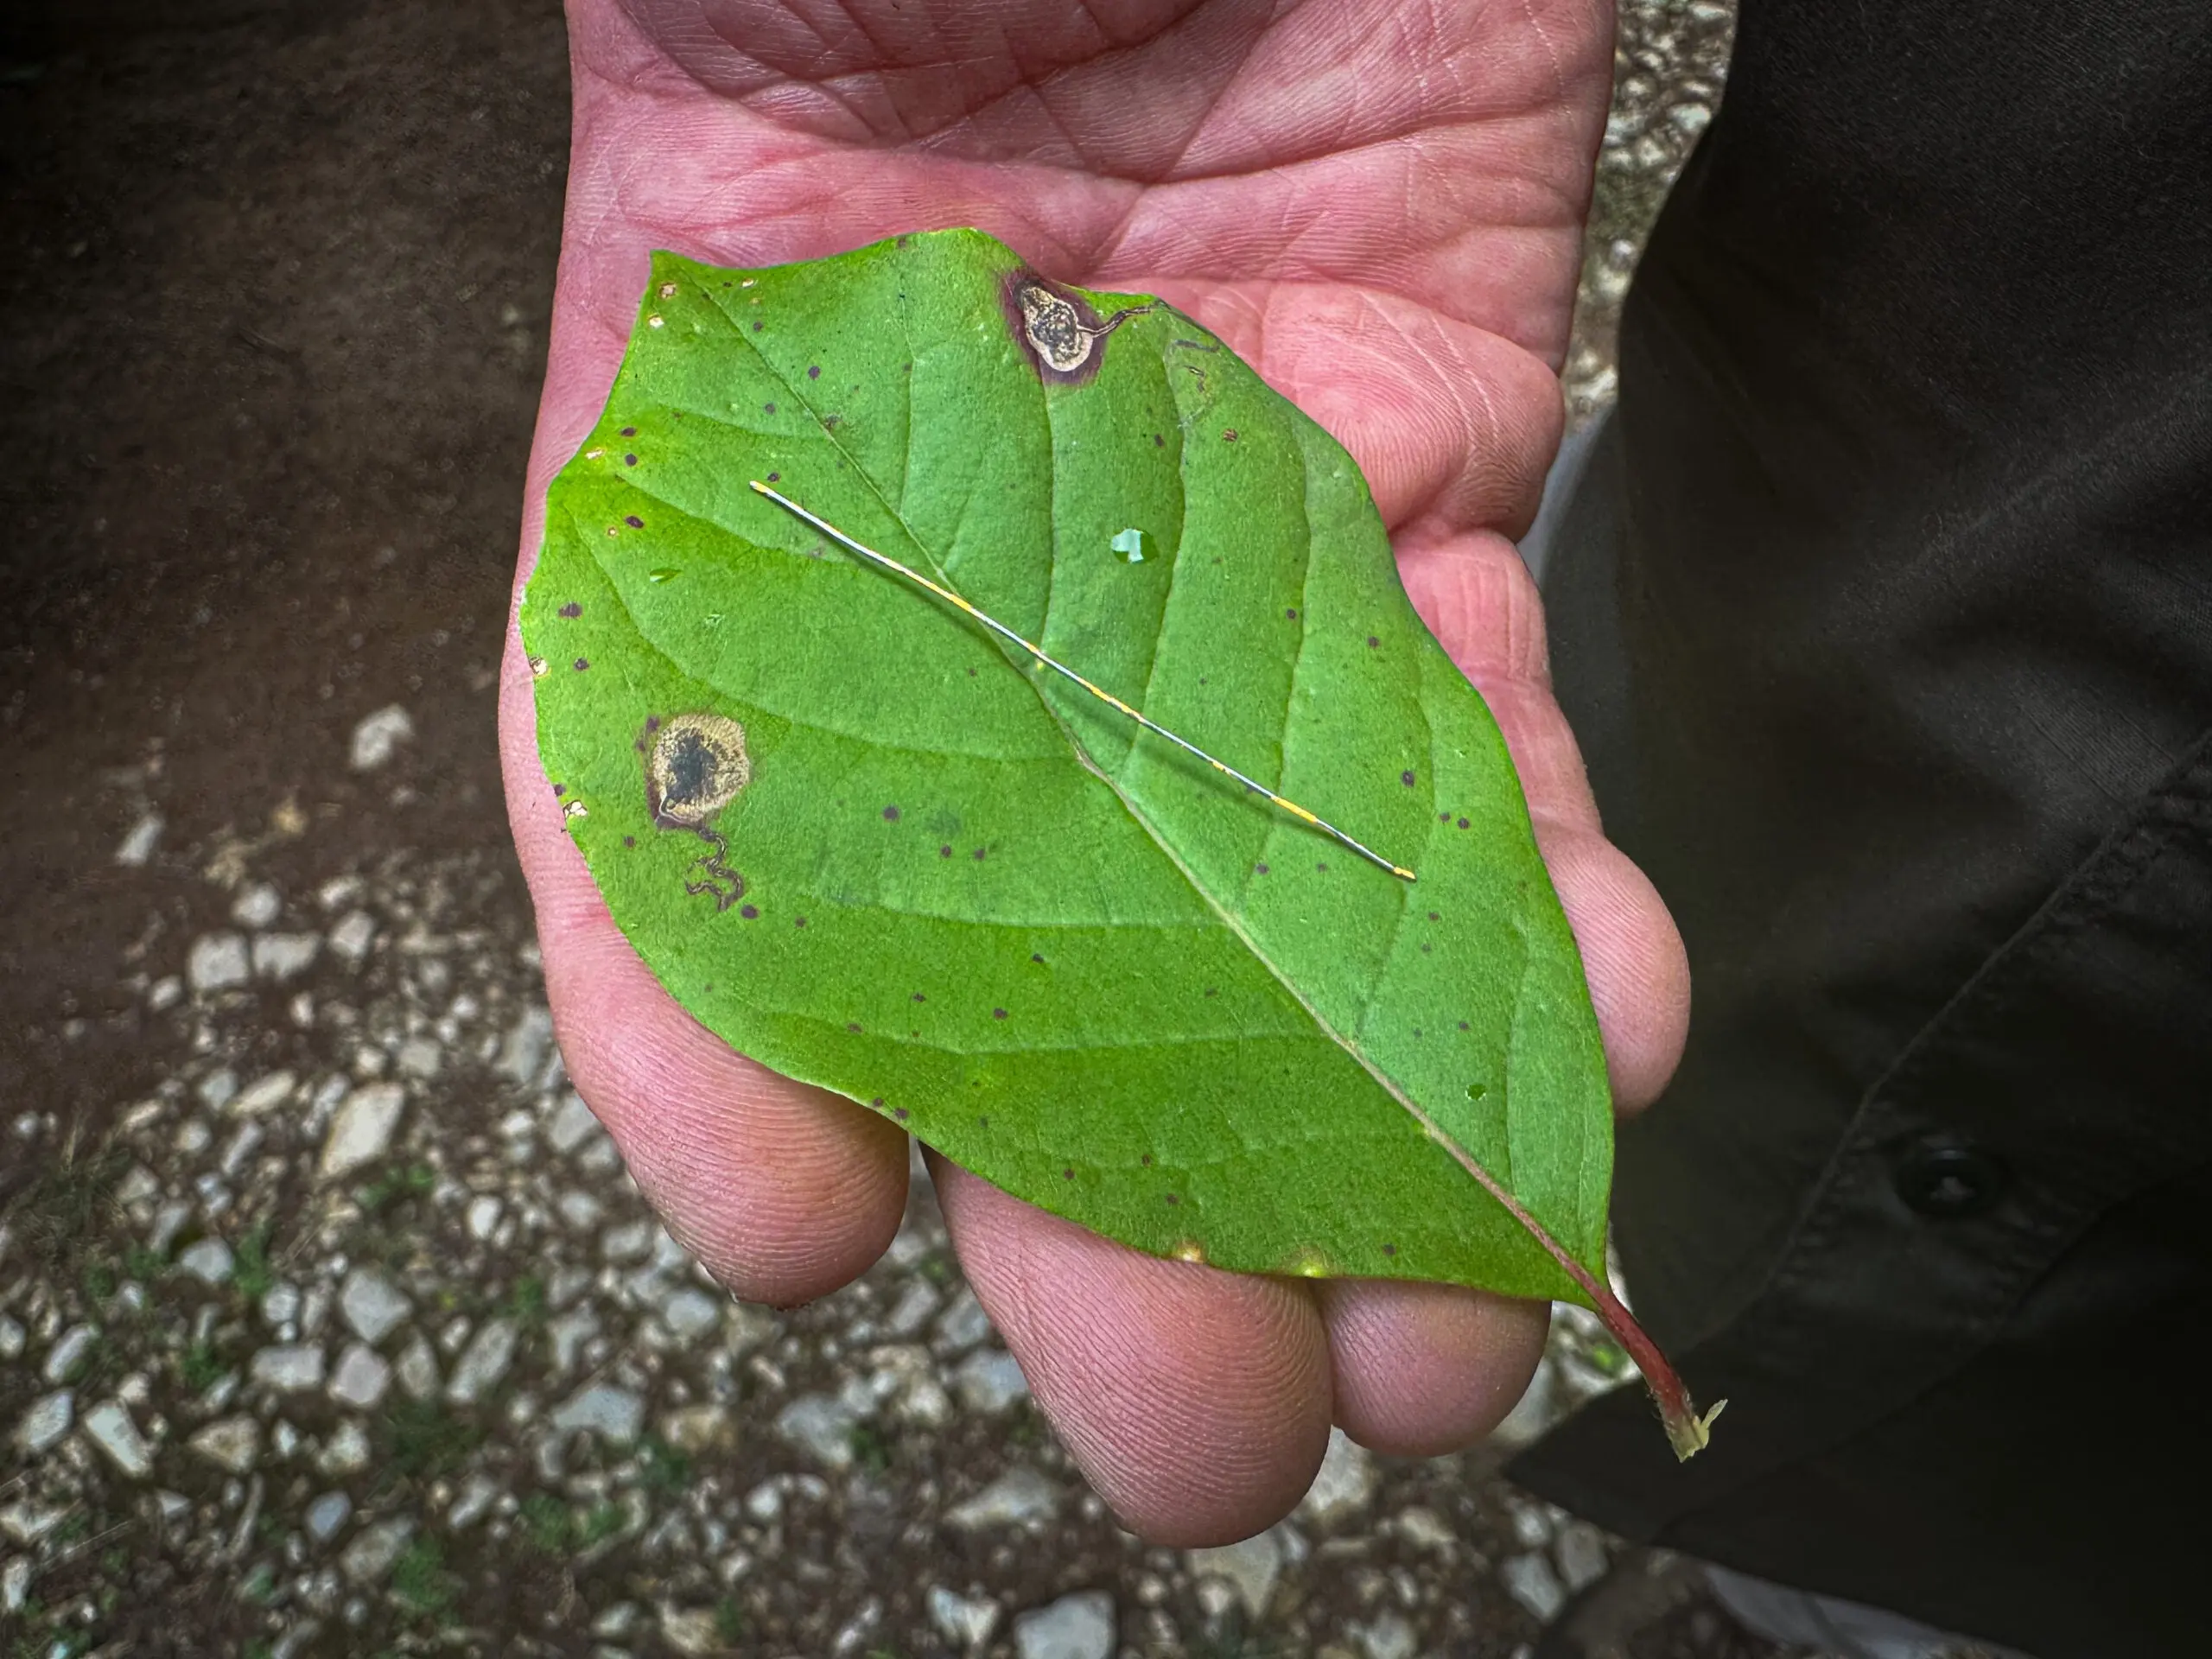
[[696, 767]]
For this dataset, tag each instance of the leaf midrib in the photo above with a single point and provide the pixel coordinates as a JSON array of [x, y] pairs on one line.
[[1349, 1045]]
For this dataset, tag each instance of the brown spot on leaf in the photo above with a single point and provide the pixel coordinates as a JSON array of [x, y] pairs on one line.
[[696, 765]]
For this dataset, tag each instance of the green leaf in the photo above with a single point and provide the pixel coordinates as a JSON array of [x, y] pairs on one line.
[[944, 882]]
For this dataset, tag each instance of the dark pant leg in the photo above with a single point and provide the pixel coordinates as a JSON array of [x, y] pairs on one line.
[[1892, 646]]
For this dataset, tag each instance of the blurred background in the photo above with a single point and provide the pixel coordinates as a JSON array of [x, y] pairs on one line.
[[329, 1322]]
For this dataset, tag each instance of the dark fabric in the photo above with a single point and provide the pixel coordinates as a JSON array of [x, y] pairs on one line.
[[1887, 620]]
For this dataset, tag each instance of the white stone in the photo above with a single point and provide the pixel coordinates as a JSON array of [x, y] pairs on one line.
[[695, 1429], [1581, 1555], [140, 840], [67, 1354], [376, 737], [1532, 1528], [1018, 1495], [350, 939], [692, 1629], [473, 1503], [419, 1058], [1344, 1486], [289, 1369], [612, 1414], [689, 1314], [911, 1313], [616, 1622], [633, 1241], [569, 1333], [1080, 1626], [234, 1444], [1530, 1582], [281, 1306], [46, 1421], [217, 962], [960, 1620], [108, 1426], [581, 1211], [764, 1503], [370, 1555], [1426, 1529], [27, 1522], [265, 1093], [371, 1305], [347, 1451], [418, 1370], [11, 1339], [522, 1052], [1540, 1405], [165, 992], [990, 1381], [1251, 1568], [360, 1130], [361, 1378], [14, 1584], [483, 1362], [484, 1210], [963, 1325], [258, 905], [326, 1515], [207, 1259], [820, 1425], [280, 957], [1387, 1638], [573, 1123]]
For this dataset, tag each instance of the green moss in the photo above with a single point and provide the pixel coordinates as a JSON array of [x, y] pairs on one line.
[[420, 1581], [421, 1442]]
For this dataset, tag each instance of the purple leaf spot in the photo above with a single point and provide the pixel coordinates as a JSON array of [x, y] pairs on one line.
[[572, 609], [891, 814], [1407, 779], [629, 460], [583, 664], [998, 1013], [751, 913], [634, 522]]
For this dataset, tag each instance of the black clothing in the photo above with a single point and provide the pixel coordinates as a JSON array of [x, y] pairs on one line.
[[1886, 615]]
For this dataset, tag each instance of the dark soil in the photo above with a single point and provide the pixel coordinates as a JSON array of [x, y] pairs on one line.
[[274, 285]]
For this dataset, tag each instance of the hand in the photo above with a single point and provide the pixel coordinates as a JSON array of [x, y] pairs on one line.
[[1378, 203]]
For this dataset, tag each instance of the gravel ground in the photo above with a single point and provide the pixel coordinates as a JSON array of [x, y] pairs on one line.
[[329, 1321]]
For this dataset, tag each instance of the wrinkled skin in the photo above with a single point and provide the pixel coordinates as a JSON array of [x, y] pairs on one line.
[[1378, 202]]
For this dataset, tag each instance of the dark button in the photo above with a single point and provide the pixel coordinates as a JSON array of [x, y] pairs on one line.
[[1949, 1177]]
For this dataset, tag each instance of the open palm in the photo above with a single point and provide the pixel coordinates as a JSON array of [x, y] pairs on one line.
[[1378, 203]]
